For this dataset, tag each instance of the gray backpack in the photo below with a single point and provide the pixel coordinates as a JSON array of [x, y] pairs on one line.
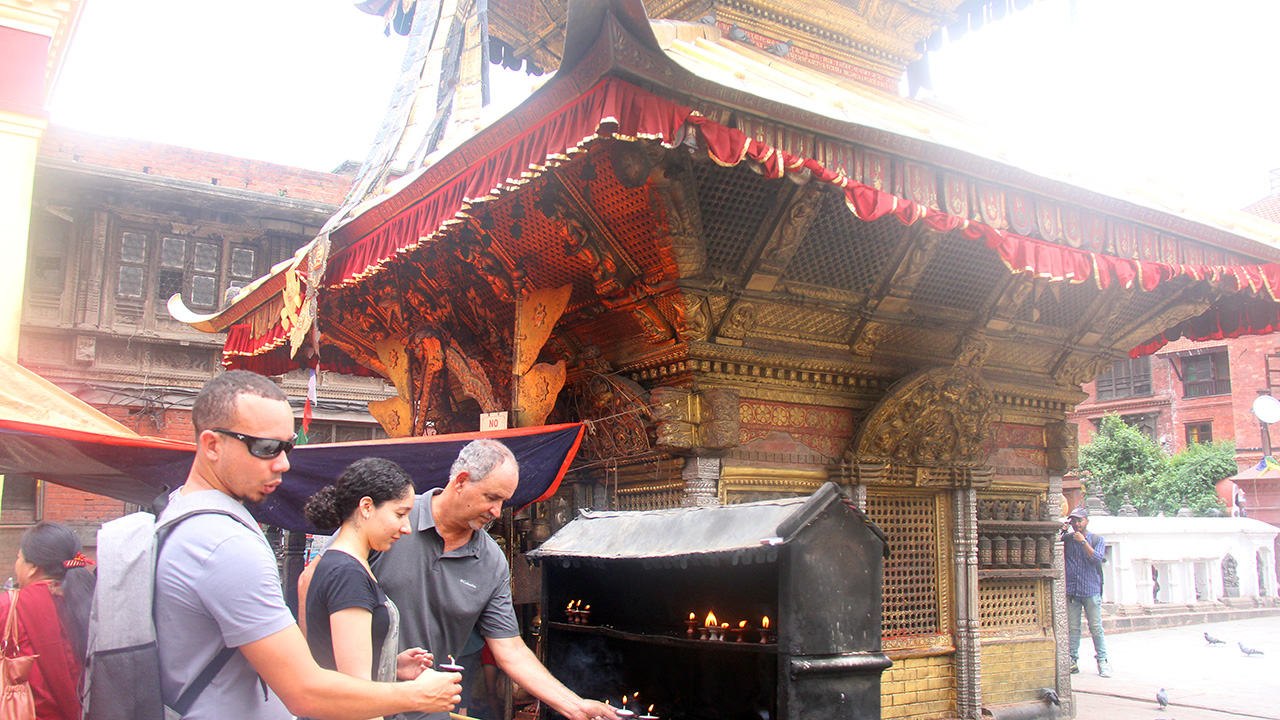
[[122, 662]]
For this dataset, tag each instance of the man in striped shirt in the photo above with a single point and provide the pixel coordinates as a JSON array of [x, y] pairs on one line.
[[1084, 552]]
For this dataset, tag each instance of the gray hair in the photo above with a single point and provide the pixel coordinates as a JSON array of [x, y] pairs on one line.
[[481, 457]]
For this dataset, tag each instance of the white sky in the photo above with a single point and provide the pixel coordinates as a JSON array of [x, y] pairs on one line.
[[298, 82], [1177, 92]]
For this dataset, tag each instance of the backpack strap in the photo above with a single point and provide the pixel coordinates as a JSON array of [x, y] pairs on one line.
[[206, 676]]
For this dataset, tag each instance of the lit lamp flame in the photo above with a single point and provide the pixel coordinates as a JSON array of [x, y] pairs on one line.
[[711, 619], [650, 709], [691, 616], [765, 623], [743, 624], [724, 625]]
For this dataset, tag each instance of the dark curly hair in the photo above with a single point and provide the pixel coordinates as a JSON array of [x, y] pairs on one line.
[[375, 478], [47, 545]]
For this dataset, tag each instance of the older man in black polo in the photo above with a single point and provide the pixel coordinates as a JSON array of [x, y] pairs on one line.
[[449, 576]]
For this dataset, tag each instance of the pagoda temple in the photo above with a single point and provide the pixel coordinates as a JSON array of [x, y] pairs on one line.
[[718, 236]]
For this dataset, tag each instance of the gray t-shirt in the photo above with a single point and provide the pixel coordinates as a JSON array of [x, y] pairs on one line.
[[217, 585], [442, 596]]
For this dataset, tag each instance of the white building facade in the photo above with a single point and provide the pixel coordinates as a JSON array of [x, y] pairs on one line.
[[1185, 560]]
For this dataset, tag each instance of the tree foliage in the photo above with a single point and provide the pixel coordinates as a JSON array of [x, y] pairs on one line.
[[1125, 462]]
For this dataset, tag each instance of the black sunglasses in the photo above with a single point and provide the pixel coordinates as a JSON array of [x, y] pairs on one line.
[[265, 448]]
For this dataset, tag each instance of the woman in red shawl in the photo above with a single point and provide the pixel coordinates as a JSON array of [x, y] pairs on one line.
[[52, 606]]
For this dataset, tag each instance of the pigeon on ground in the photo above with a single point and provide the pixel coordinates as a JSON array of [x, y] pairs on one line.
[[1213, 640], [1050, 696], [1248, 650], [1162, 697]]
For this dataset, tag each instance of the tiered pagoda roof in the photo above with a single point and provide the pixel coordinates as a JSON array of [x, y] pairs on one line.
[[709, 200]]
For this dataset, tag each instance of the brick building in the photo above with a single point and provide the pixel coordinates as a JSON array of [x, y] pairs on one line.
[[1196, 392], [1189, 392], [117, 227]]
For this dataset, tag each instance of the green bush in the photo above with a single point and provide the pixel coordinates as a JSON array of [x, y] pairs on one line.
[[1125, 462]]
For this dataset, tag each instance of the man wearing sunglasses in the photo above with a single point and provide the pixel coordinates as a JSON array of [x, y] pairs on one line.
[[217, 585]]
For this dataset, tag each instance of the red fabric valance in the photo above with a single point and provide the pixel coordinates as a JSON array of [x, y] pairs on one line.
[[618, 109], [611, 108], [1256, 313], [1230, 317], [272, 357], [242, 343], [730, 146]]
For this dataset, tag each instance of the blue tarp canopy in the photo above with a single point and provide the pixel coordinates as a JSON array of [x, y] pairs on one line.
[[137, 469]]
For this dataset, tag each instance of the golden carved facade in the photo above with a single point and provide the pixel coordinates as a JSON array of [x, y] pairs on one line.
[[868, 40]]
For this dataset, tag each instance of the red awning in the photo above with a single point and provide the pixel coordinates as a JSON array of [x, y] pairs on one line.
[[615, 108], [51, 435]]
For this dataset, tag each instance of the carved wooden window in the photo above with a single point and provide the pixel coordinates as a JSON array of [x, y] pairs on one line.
[[1205, 375], [912, 606], [244, 262], [329, 432], [46, 266], [1144, 423], [151, 267], [243, 269], [21, 501], [189, 267], [131, 275], [1273, 374], [1125, 378], [1199, 433]]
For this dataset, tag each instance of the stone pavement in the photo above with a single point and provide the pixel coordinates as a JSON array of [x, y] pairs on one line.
[[1204, 682]]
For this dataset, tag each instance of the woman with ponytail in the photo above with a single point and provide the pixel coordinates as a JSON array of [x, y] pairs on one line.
[[51, 615], [351, 626]]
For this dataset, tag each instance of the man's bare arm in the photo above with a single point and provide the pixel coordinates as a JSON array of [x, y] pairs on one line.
[[284, 662], [522, 666]]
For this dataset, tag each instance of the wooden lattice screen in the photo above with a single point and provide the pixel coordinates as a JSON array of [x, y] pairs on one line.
[[911, 579], [658, 496], [1009, 603]]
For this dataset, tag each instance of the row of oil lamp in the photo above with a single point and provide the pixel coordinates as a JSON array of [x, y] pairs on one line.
[[624, 710], [579, 614], [711, 630]]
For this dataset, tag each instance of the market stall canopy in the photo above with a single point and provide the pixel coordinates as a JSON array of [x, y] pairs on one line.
[[51, 435]]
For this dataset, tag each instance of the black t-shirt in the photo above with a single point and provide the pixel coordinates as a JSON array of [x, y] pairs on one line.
[[341, 582]]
